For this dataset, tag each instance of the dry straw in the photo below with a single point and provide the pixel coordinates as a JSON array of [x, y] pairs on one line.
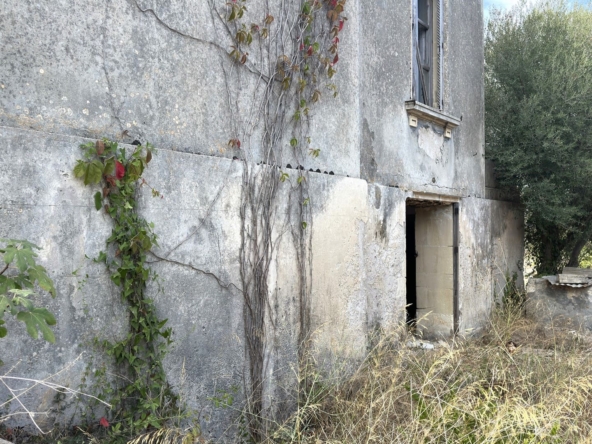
[[518, 382]]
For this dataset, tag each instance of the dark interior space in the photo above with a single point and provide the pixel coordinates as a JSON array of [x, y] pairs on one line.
[[411, 256]]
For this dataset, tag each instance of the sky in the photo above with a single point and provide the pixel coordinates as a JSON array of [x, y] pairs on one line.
[[505, 4], [499, 4], [502, 4]]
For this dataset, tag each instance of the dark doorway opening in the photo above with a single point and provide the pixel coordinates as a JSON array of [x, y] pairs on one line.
[[411, 255], [431, 243]]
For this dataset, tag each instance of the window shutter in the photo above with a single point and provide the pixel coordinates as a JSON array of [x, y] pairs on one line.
[[438, 53], [416, 67]]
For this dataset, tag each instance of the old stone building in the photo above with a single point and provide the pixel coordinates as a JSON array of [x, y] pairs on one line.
[[402, 209]]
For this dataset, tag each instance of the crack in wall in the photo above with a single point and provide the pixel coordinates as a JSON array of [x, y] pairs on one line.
[[151, 11], [160, 21], [222, 284]]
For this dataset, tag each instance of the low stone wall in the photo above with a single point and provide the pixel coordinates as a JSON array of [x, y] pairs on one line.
[[566, 306]]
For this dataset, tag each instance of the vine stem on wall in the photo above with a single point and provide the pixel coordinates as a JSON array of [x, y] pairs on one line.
[[294, 44]]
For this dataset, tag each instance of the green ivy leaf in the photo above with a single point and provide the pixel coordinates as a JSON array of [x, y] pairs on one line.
[[38, 319], [25, 258], [20, 298], [109, 169], [293, 142], [10, 251], [98, 200], [135, 169], [315, 152], [80, 169], [93, 172], [6, 284], [5, 305], [39, 274]]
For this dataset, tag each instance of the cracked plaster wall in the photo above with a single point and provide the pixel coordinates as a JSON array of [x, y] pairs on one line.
[[157, 70], [421, 159], [357, 280], [73, 71]]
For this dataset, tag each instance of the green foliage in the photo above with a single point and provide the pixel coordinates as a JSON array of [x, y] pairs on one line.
[[18, 278], [513, 296], [224, 398], [538, 90], [145, 400], [586, 257]]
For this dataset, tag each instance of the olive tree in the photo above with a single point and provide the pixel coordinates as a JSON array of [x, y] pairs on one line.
[[538, 120]]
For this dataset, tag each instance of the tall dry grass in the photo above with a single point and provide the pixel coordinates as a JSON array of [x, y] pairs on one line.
[[516, 382], [535, 389]]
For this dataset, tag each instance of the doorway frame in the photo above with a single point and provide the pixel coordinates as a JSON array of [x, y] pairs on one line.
[[454, 202]]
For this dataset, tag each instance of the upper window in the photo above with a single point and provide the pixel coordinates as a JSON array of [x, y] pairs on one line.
[[427, 42]]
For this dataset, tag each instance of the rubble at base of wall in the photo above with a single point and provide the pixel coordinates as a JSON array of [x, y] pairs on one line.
[[570, 307]]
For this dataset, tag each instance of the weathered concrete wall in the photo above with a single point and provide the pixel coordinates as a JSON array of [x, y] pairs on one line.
[[421, 159], [74, 70], [491, 247], [103, 67], [555, 305], [98, 68], [358, 282]]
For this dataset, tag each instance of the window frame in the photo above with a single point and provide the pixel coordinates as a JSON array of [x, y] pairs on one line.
[[428, 53]]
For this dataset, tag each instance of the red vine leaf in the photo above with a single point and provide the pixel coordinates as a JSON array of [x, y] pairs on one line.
[[103, 422], [119, 170]]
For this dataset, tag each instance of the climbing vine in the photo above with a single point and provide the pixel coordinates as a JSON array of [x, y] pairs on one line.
[[284, 59], [143, 398], [280, 61]]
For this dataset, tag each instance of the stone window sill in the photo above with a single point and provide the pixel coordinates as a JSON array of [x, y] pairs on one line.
[[417, 110]]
